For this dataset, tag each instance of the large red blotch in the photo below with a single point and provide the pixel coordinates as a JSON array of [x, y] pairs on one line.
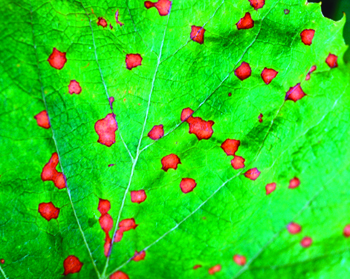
[[42, 119], [163, 6], [257, 4], [230, 146], [106, 128], [170, 162], [187, 185], [102, 22], [293, 228], [243, 71], [104, 206], [238, 162], [201, 128], [138, 196], [295, 93], [48, 211], [245, 22], [57, 59], [197, 34], [133, 60], [156, 133], [124, 225], [294, 183], [239, 259], [74, 87], [119, 275], [214, 269], [332, 61], [72, 265], [270, 188], [306, 242], [308, 76], [107, 246], [106, 223], [139, 256], [50, 173], [268, 75], [346, 231], [186, 113], [252, 174], [306, 36]]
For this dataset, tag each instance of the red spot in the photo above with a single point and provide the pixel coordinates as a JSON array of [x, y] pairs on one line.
[[332, 61], [293, 228], [106, 128], [111, 100], [294, 183], [156, 133], [306, 36], [230, 146], [245, 22], [139, 256], [260, 117], [346, 231], [138, 196], [72, 265], [268, 75], [74, 87], [197, 266], [230, 94], [197, 34], [48, 211], [106, 222], [237, 162], [110, 165], [257, 4], [295, 93], [240, 260], [214, 269], [133, 60], [244, 71], [116, 18], [186, 113], [201, 128], [163, 6], [102, 22], [42, 119], [107, 246], [118, 235], [313, 68], [252, 174], [187, 185], [50, 173], [306, 242], [2, 261], [110, 26], [270, 188], [57, 59], [170, 162], [119, 275], [124, 225]]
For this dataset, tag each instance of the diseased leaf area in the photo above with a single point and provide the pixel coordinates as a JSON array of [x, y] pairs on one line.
[[183, 139]]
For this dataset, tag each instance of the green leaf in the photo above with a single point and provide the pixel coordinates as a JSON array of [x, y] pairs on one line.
[[227, 224]]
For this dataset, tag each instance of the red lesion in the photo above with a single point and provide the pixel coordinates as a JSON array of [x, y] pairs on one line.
[[57, 59], [245, 22], [260, 117], [346, 231], [139, 256], [106, 223], [268, 75], [239, 259], [243, 71], [106, 128], [238, 162], [294, 183], [138, 196], [252, 174], [117, 18], [197, 34], [306, 242], [74, 87], [230, 146], [170, 162], [124, 226], [332, 61], [270, 188], [42, 118], [257, 4], [187, 185], [294, 228], [72, 264], [119, 275], [295, 93], [163, 6], [102, 22], [2, 261], [307, 36], [186, 113], [308, 76], [156, 132], [201, 128], [133, 60], [48, 211], [197, 266], [214, 269], [50, 173]]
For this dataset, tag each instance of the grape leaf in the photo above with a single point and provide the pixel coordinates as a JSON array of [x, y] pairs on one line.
[[173, 140]]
